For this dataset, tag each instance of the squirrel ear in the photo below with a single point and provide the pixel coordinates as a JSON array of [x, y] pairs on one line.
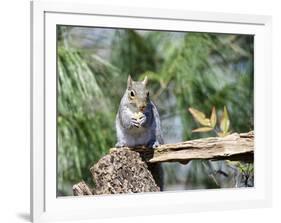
[[145, 80], [129, 81]]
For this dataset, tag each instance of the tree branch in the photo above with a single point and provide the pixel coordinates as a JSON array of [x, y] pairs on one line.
[[232, 147]]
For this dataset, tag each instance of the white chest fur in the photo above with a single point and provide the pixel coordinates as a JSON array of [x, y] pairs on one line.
[[138, 136]]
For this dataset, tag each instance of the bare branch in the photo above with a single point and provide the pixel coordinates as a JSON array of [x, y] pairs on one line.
[[232, 147]]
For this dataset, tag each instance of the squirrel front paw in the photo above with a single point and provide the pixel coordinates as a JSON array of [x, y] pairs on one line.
[[142, 120], [138, 120], [134, 123]]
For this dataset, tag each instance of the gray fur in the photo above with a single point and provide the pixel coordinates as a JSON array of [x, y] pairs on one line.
[[147, 131]]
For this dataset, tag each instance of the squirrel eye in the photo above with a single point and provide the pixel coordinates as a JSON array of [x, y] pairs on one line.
[[132, 93]]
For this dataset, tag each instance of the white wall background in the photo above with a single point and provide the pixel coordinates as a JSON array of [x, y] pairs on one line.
[[14, 110]]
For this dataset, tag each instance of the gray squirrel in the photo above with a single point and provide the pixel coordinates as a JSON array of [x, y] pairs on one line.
[[138, 123], [137, 120]]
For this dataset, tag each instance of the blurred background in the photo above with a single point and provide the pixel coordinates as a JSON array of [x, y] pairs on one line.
[[185, 69]]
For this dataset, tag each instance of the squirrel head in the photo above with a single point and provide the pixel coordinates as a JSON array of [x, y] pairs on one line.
[[137, 93]]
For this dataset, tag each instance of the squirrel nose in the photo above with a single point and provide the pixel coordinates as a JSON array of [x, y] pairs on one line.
[[142, 108]]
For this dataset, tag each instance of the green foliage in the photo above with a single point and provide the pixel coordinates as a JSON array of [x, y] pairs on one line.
[[246, 171], [85, 119], [184, 69]]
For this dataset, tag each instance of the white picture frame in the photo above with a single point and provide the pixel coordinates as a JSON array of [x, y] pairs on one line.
[[45, 205]]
